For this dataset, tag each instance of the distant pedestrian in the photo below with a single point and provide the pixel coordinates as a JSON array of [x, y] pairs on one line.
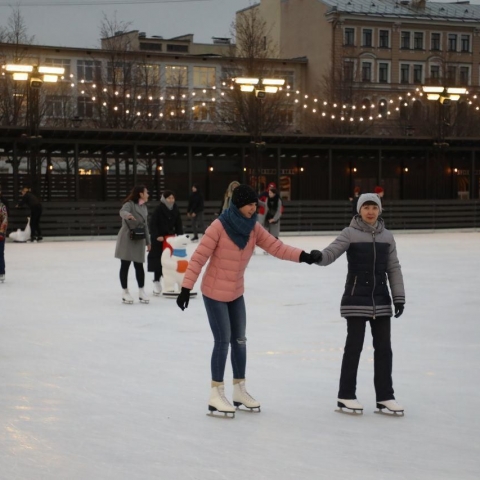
[[272, 207], [134, 215], [195, 212], [3, 235], [227, 197], [354, 200], [379, 191], [31, 201]]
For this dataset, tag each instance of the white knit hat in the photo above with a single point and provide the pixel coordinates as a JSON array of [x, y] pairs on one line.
[[369, 197]]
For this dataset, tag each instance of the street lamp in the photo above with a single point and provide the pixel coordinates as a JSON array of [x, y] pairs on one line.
[[35, 76], [261, 87]]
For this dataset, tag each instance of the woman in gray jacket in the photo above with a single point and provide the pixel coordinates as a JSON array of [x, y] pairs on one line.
[[134, 214], [372, 259]]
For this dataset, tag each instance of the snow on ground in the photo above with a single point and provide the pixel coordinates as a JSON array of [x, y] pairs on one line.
[[94, 389]]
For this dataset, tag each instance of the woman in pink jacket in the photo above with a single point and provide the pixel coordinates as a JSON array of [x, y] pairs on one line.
[[229, 243]]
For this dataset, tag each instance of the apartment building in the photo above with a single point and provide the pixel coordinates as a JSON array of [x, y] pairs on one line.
[[133, 81], [380, 46]]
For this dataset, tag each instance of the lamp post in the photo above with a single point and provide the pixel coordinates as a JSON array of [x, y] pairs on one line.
[[444, 96], [261, 87], [35, 76]]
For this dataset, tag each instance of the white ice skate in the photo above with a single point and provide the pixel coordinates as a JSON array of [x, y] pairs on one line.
[[142, 296], [126, 297], [157, 288], [2, 278], [392, 406], [352, 406], [242, 397], [219, 403]]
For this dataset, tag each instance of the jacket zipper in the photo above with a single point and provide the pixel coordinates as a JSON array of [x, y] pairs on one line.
[[374, 279], [354, 283]]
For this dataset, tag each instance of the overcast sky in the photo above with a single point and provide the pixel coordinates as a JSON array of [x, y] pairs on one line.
[[75, 23], [55, 23]]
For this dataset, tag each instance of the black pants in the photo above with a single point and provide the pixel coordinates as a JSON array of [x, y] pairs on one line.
[[382, 358], [35, 214], [139, 273]]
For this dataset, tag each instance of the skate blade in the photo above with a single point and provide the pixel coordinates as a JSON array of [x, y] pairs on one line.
[[246, 409], [348, 411], [144, 301], [390, 413], [214, 413], [127, 302], [156, 294]]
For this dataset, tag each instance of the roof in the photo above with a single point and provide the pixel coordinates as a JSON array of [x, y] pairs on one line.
[[451, 12]]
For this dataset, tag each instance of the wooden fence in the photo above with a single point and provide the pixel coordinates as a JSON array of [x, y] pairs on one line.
[[71, 219]]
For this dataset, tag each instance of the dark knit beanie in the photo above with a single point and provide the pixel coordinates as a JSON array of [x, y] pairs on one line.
[[244, 195]]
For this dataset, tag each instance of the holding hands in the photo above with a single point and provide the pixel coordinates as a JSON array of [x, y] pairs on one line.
[[314, 256]]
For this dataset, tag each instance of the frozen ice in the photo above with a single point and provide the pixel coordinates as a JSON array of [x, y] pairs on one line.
[[94, 389]]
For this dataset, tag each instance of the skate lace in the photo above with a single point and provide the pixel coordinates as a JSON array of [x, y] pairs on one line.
[[223, 398], [245, 394]]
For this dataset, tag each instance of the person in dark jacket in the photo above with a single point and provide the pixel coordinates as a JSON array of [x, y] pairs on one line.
[[354, 200], [33, 203], [195, 212], [372, 260], [165, 221], [3, 235]]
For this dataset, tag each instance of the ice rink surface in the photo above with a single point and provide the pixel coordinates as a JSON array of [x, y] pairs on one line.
[[92, 389]]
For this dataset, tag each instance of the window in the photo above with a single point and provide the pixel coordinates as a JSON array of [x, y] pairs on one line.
[[286, 116], [85, 107], [404, 73], [287, 75], [366, 72], [383, 107], [204, 111], [418, 74], [451, 73], [203, 77], [56, 106], [348, 70], [171, 47], [89, 70], [59, 62], [464, 75], [418, 40], [148, 74], [154, 47], [405, 41], [435, 41], [384, 40], [350, 36], [465, 39], [176, 76], [383, 72], [435, 72], [452, 42], [367, 37], [119, 73]]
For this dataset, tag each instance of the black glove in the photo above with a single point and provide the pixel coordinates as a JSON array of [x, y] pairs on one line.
[[183, 298], [306, 258], [316, 256], [399, 307]]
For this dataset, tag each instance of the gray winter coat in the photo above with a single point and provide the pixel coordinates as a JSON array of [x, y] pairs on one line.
[[272, 228], [127, 249], [372, 258]]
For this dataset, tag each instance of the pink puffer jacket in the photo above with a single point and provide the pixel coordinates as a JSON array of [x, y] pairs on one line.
[[223, 279]]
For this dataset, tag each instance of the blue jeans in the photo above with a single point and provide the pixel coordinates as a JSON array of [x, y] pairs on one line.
[[228, 321], [2, 257]]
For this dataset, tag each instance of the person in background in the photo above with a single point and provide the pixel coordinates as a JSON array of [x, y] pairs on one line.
[[134, 213], [372, 260], [4, 200], [31, 201], [3, 236], [229, 243], [272, 206], [354, 200], [195, 212], [227, 197], [165, 221]]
